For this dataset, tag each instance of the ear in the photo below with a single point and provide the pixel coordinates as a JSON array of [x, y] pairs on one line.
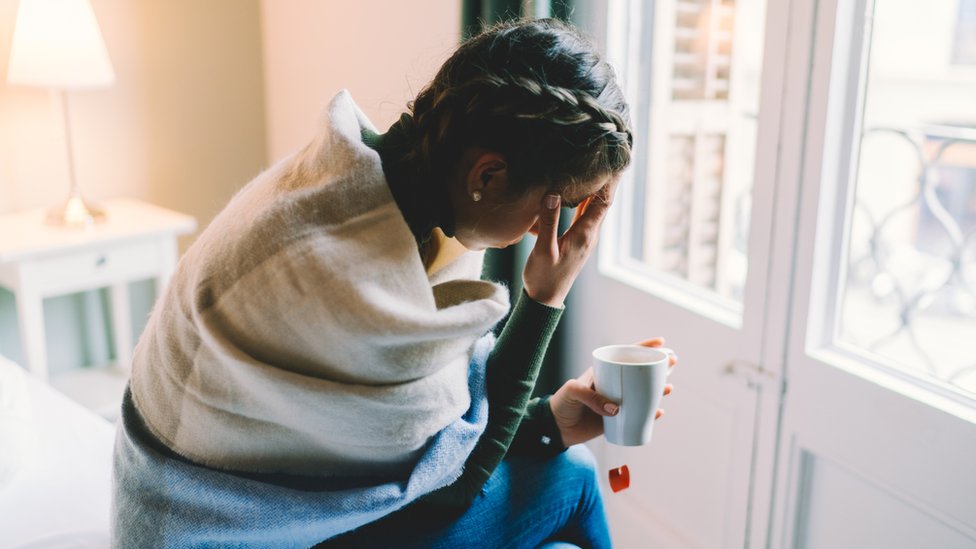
[[488, 175]]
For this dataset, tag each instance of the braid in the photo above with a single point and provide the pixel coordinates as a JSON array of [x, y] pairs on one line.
[[567, 107], [535, 92]]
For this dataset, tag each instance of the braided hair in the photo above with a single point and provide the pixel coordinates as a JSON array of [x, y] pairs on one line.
[[535, 91]]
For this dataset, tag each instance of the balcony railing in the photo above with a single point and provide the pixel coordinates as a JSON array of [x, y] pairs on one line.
[[911, 285]]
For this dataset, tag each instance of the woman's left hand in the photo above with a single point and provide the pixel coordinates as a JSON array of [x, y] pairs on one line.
[[578, 409]]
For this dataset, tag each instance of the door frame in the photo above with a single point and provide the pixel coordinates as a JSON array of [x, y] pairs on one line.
[[785, 53], [780, 131], [819, 156]]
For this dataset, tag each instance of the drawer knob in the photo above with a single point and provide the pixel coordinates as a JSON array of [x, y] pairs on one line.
[[101, 261]]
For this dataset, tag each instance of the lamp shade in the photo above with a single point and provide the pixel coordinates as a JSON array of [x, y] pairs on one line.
[[57, 44]]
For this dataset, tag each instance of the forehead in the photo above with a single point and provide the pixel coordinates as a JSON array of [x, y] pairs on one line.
[[575, 193]]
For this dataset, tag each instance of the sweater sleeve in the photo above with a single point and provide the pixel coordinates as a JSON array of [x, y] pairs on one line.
[[538, 435], [512, 369]]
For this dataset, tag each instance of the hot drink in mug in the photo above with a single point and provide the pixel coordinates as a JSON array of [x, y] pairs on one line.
[[634, 377]]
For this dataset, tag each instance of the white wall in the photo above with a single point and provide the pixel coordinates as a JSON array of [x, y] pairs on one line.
[[382, 52], [183, 126]]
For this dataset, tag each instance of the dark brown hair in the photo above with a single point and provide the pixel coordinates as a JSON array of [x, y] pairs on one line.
[[536, 92]]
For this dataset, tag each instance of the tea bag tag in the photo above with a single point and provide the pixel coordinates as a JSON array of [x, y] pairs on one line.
[[619, 478]]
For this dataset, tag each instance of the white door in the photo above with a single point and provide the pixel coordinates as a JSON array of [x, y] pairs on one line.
[[878, 444], [686, 256]]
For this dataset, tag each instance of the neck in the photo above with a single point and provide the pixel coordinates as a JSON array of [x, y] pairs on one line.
[[424, 202]]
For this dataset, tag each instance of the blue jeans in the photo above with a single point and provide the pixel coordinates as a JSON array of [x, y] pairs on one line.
[[528, 502]]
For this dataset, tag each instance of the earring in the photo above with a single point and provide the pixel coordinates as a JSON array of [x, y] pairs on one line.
[[476, 195]]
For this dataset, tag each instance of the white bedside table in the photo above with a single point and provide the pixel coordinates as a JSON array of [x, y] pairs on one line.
[[137, 241]]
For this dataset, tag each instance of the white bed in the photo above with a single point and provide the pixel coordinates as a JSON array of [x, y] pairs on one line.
[[55, 467]]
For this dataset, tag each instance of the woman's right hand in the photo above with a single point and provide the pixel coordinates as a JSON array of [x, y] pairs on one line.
[[556, 261]]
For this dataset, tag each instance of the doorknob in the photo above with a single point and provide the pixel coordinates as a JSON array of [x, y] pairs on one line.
[[754, 376]]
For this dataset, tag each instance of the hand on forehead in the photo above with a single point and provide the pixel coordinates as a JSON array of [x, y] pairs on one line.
[[603, 192]]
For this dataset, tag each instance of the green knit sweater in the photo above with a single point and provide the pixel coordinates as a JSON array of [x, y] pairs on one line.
[[515, 423]]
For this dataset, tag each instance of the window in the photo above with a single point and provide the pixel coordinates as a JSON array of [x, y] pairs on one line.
[[910, 295], [694, 68], [964, 48]]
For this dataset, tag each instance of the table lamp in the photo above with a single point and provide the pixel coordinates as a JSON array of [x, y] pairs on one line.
[[57, 44]]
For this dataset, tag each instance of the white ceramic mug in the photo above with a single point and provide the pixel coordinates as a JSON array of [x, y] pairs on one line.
[[633, 376]]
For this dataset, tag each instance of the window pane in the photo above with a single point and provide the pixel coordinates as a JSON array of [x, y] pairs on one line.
[[696, 165], [910, 296]]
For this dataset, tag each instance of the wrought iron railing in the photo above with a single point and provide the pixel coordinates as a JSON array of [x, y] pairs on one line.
[[944, 278]]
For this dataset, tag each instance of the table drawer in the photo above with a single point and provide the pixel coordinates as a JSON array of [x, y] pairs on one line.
[[95, 267]]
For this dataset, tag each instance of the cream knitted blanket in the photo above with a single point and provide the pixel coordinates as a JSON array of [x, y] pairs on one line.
[[301, 334]]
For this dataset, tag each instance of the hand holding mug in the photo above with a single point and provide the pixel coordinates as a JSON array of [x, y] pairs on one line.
[[579, 410]]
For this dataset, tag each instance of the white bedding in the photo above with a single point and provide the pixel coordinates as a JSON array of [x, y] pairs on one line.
[[58, 492]]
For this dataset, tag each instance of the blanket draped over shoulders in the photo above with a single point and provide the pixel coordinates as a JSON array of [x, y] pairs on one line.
[[302, 338], [301, 333]]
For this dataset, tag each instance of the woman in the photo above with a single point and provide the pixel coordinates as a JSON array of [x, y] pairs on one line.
[[308, 372]]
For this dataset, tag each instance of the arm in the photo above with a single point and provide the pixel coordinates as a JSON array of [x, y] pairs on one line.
[[513, 365], [512, 369], [538, 434]]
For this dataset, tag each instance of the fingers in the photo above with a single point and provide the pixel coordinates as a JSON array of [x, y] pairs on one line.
[[587, 378], [590, 214], [588, 221], [660, 411], [591, 399], [548, 237], [659, 342], [581, 209]]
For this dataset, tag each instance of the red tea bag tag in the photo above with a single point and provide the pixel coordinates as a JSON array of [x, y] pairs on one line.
[[619, 478]]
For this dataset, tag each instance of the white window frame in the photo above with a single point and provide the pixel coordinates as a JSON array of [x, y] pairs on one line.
[[628, 19]]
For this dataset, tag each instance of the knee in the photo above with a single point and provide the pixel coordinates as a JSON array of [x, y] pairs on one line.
[[581, 458], [577, 474], [579, 464], [570, 475]]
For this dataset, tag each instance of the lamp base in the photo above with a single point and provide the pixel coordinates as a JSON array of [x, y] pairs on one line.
[[75, 212]]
